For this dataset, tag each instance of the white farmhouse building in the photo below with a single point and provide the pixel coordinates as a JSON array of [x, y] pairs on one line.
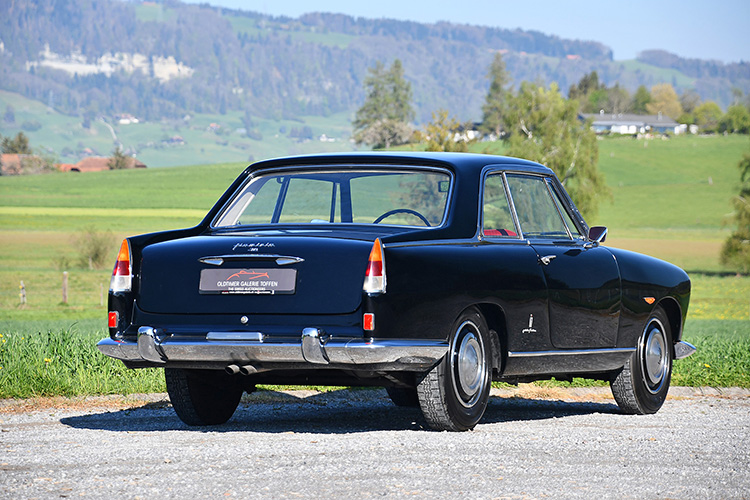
[[621, 123]]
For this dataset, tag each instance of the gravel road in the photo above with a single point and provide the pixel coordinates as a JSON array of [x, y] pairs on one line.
[[356, 444]]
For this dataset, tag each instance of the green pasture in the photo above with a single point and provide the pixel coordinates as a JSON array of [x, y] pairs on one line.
[[669, 199], [207, 138]]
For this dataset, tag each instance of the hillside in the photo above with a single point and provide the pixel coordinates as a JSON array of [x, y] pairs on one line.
[[260, 76]]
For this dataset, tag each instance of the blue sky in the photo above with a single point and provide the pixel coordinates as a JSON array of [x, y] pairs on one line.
[[718, 29]]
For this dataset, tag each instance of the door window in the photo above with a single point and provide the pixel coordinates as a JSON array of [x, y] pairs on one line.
[[566, 216], [536, 210], [496, 217]]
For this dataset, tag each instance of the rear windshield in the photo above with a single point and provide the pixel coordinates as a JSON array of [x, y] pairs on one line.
[[368, 196]]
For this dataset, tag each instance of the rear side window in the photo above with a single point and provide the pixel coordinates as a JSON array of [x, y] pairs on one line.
[[367, 196]]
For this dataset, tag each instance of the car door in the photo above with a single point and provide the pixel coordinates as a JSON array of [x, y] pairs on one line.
[[583, 281], [512, 270]]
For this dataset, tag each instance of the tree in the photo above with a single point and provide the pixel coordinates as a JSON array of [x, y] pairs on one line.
[[591, 95], [690, 100], [707, 116], [641, 99], [497, 96], [18, 145], [118, 160], [664, 100], [383, 119], [585, 86], [544, 127], [443, 133], [618, 100], [736, 249], [736, 120]]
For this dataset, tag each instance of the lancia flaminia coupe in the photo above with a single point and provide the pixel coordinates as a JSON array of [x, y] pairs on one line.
[[428, 274]]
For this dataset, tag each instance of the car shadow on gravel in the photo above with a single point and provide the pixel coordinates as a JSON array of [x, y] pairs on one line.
[[337, 412]]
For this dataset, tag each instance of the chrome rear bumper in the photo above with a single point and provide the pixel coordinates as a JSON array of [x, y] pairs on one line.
[[313, 349]]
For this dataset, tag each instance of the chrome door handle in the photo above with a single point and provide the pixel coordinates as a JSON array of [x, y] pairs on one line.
[[547, 259]]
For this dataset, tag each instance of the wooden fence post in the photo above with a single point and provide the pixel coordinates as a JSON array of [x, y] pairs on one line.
[[65, 287]]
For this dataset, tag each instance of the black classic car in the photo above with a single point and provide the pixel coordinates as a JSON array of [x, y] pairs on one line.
[[428, 274]]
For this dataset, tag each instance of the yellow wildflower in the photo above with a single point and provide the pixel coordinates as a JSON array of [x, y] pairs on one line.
[[47, 360]]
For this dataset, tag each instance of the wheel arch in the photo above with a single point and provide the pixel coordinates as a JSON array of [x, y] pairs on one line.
[[674, 315], [496, 322]]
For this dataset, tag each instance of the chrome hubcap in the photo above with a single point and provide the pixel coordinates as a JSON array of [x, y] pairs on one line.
[[468, 364], [655, 356]]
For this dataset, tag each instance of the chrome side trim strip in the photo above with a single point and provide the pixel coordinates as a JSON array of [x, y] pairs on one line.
[[571, 352]]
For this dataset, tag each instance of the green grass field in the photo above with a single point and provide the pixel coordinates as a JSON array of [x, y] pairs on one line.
[[669, 199], [65, 137]]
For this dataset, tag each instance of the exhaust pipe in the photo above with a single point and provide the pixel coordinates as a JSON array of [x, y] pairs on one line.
[[248, 370], [232, 369]]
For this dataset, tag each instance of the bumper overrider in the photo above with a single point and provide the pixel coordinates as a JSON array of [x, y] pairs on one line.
[[248, 352]]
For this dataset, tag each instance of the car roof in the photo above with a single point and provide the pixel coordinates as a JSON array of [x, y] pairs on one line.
[[466, 163]]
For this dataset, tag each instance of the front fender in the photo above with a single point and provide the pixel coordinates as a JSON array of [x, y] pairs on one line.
[[648, 282]]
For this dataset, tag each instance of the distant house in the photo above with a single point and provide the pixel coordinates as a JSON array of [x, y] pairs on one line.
[[20, 164], [622, 123], [96, 164], [10, 164]]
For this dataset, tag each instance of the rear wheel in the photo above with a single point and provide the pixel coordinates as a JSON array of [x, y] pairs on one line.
[[454, 394], [641, 386], [202, 397]]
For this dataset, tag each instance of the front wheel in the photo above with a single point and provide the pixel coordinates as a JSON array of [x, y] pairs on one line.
[[641, 386], [454, 394], [202, 397]]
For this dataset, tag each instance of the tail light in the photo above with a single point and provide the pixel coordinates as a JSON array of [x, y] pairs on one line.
[[375, 274], [122, 275]]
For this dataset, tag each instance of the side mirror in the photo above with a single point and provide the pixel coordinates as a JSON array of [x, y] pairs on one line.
[[597, 234]]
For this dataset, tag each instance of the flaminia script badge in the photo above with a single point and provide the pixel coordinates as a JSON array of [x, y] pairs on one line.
[[257, 281]]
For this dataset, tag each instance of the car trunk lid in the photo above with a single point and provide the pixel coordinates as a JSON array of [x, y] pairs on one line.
[[279, 274]]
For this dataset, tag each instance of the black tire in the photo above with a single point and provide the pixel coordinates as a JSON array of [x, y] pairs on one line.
[[454, 394], [641, 386], [202, 397], [403, 396]]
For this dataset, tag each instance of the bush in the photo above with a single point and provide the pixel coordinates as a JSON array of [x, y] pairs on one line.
[[94, 247]]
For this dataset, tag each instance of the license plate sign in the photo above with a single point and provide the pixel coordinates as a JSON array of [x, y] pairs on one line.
[[248, 281]]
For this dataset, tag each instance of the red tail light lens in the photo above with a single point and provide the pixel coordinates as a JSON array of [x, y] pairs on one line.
[[375, 274], [122, 275], [112, 319], [368, 322]]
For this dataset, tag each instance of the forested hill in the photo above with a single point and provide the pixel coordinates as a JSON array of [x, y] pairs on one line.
[[154, 60]]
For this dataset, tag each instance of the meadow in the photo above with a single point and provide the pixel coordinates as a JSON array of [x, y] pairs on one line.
[[670, 199], [205, 137]]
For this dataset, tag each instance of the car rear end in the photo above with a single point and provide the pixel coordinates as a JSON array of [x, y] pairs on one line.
[[281, 275]]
